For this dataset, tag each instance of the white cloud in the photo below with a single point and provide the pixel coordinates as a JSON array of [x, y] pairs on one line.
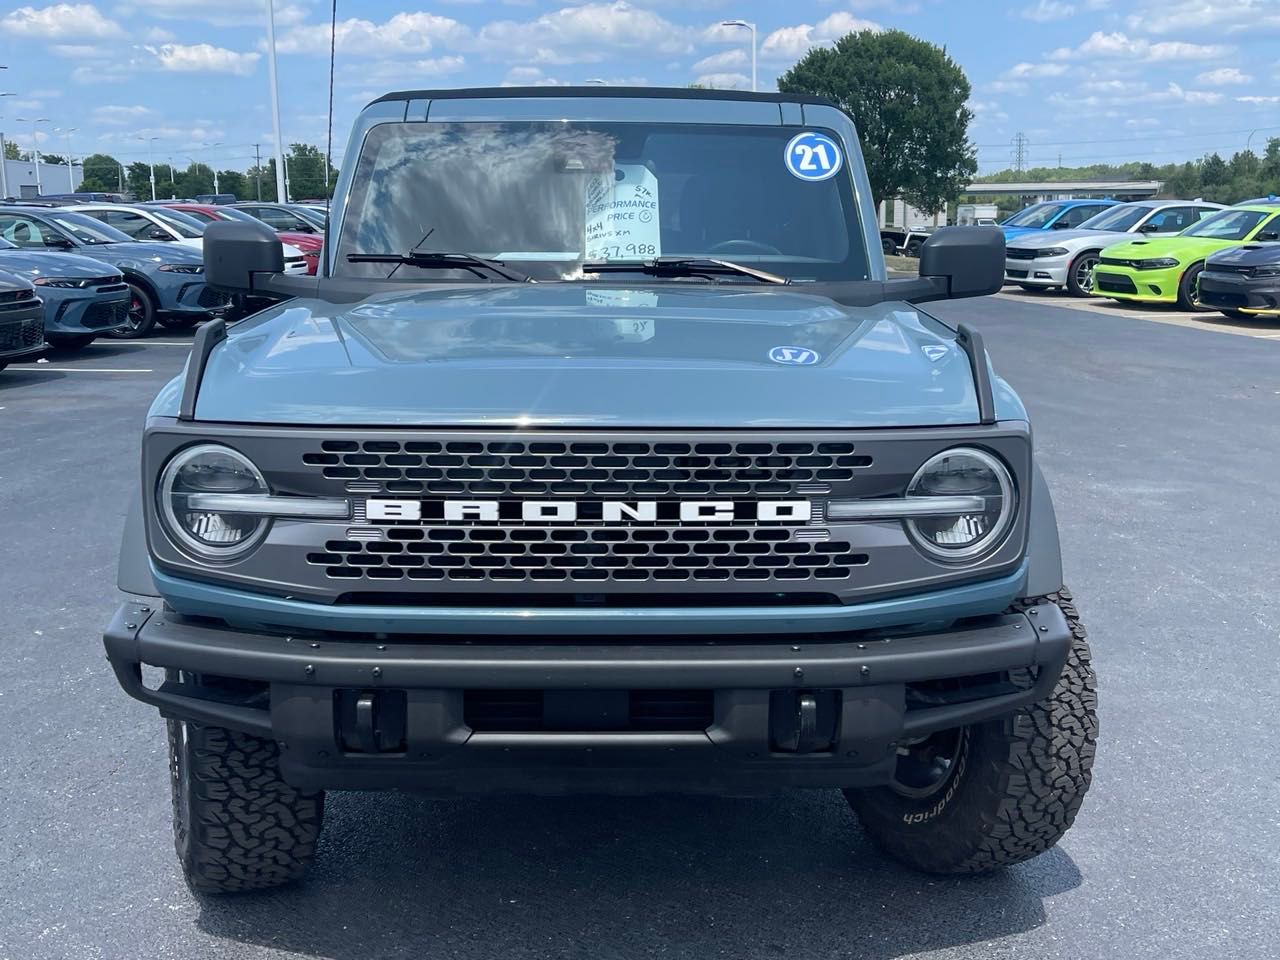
[[403, 33], [724, 81], [1224, 77], [1047, 10], [791, 43], [1205, 16], [203, 58], [1007, 86], [725, 60], [1258, 99], [1037, 70], [590, 33], [114, 115], [1103, 46], [159, 35], [530, 77], [78, 20], [222, 13], [403, 74], [987, 110], [1112, 93]]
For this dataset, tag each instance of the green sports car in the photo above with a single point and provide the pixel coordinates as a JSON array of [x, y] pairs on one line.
[[1167, 270]]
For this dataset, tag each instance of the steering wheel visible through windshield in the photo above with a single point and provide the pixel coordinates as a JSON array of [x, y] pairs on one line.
[[546, 198]]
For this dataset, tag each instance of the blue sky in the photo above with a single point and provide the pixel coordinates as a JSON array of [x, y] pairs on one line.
[[1086, 80]]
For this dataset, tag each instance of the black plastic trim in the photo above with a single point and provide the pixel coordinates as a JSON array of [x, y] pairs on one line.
[[970, 340], [601, 92], [207, 337]]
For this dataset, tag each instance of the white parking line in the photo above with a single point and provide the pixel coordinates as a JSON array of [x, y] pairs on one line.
[[47, 368]]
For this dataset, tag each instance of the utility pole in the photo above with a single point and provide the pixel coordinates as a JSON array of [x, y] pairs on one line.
[[1020, 145], [257, 168], [282, 194]]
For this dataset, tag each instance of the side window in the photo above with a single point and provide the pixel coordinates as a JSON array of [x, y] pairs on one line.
[[23, 232], [1269, 230], [277, 219], [1077, 215], [1170, 220], [135, 225], [1202, 212]]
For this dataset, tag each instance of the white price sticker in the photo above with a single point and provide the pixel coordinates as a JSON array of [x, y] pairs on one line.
[[622, 215]]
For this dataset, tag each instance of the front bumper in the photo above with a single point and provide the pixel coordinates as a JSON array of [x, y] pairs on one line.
[[186, 294], [80, 314], [1143, 286], [317, 696], [1228, 291], [1040, 272]]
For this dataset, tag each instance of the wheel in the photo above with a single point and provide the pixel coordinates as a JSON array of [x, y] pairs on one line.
[[913, 248], [1189, 289], [1080, 274], [236, 824], [142, 315], [70, 341], [888, 246], [997, 793], [182, 322]]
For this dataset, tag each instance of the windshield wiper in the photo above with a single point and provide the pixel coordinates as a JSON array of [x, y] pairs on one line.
[[456, 261], [680, 267]]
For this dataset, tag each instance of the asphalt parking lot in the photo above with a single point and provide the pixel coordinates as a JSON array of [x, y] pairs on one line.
[[1161, 442]]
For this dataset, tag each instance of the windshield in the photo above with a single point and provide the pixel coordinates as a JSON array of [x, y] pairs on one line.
[[88, 230], [546, 197], [185, 226], [1119, 219], [310, 214], [1227, 225], [1036, 215]]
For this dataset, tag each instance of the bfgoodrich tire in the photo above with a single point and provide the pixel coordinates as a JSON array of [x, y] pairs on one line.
[[237, 825], [996, 793]]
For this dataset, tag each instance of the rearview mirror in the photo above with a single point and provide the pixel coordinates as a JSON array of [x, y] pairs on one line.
[[969, 259], [239, 256]]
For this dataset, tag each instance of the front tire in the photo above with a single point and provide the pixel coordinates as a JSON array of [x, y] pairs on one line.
[[142, 315], [1080, 274], [1189, 289], [237, 825], [996, 793]]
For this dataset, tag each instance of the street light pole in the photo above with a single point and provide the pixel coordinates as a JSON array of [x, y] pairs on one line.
[[35, 147], [71, 170], [151, 161], [214, 166], [752, 28], [282, 190], [4, 179]]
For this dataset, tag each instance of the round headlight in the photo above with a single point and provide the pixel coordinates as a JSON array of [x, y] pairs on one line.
[[210, 468], [963, 472]]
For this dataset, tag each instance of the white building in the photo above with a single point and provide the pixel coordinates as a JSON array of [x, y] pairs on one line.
[[898, 213], [19, 179]]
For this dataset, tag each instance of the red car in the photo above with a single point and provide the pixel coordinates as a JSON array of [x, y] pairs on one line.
[[308, 243]]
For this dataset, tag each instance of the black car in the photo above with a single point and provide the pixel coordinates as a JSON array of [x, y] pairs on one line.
[[1243, 282], [21, 320]]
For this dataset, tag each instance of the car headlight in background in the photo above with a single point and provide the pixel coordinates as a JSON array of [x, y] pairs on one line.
[[74, 283], [963, 472], [1159, 263], [182, 267], [1052, 252], [210, 468], [1269, 270]]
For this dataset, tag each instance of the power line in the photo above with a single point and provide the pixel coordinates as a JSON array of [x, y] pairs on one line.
[[1153, 136]]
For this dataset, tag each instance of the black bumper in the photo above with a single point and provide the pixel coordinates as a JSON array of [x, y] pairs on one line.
[[1227, 292], [312, 696]]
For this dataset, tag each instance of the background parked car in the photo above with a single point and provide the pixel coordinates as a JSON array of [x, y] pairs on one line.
[[1053, 215], [83, 298], [21, 320], [293, 217], [1243, 282], [305, 245], [1066, 258], [216, 198], [165, 280], [1167, 270]]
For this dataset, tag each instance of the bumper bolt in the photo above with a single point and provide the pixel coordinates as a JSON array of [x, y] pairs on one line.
[[796, 649], [309, 670], [1044, 629], [131, 626], [144, 609], [865, 671], [377, 672], [315, 646], [382, 646], [799, 673]]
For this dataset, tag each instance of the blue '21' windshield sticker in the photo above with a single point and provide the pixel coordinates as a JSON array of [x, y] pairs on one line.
[[814, 156]]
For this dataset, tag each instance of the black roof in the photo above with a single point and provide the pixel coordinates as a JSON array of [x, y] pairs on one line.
[[600, 90]]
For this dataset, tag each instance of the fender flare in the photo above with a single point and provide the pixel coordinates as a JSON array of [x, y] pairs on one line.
[[133, 573], [1044, 551]]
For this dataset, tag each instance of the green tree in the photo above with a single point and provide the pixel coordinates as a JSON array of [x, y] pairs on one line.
[[907, 98], [11, 151], [137, 180], [1271, 162], [54, 158], [102, 168], [1213, 171], [232, 181], [306, 168]]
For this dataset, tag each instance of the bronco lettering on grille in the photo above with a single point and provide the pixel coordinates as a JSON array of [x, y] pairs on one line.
[[590, 511]]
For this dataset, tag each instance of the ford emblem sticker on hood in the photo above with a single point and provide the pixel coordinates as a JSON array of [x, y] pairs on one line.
[[796, 356]]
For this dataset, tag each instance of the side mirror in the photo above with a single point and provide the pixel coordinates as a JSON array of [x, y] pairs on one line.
[[1149, 228], [155, 233], [1059, 225], [1267, 236], [57, 242], [235, 251], [969, 259]]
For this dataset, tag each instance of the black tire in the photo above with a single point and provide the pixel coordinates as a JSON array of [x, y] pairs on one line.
[[888, 246], [1189, 289], [1013, 785], [1080, 273], [142, 315], [180, 322], [913, 248], [70, 341], [237, 825]]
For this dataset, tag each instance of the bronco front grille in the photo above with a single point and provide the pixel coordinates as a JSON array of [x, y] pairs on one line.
[[21, 334], [602, 468], [594, 555]]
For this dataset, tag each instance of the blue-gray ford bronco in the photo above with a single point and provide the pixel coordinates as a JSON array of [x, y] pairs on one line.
[[602, 456]]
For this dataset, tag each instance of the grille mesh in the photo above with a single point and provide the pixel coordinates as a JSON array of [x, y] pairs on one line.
[[596, 555], [106, 314], [213, 298], [21, 334], [604, 468], [1020, 253]]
